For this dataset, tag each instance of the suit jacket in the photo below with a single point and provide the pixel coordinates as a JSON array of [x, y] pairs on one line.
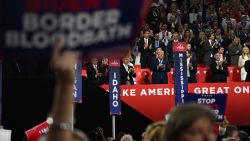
[[193, 71], [161, 45], [247, 68], [207, 53], [219, 74], [244, 38], [146, 54], [159, 73], [169, 50], [91, 72], [124, 75], [141, 49]]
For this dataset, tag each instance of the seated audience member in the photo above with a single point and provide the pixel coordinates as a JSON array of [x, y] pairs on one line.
[[146, 49], [243, 136], [127, 72], [247, 69], [160, 68], [94, 72], [191, 68], [232, 132], [242, 59], [155, 131], [219, 69], [190, 122], [234, 50]]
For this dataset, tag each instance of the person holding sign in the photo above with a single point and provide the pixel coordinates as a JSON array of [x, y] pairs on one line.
[[160, 68], [219, 69]]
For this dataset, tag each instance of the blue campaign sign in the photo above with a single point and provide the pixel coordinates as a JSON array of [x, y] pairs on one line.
[[77, 95], [217, 103], [180, 71], [30, 26], [114, 87]]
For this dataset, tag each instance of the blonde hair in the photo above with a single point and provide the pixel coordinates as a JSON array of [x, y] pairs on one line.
[[156, 131], [243, 54]]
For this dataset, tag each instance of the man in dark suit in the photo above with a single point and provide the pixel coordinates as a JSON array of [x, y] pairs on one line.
[[175, 38], [157, 43], [127, 72], [146, 49], [160, 68], [245, 35], [209, 50], [247, 68], [94, 72], [219, 69], [191, 68], [223, 56]]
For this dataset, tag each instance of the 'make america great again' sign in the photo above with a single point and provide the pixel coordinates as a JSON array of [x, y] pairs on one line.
[[31, 26]]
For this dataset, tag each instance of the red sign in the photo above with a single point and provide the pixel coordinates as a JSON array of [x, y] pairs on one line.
[[35, 133], [179, 46], [155, 101], [114, 62]]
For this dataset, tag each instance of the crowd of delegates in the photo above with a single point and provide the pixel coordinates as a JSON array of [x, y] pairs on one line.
[[216, 33], [186, 122]]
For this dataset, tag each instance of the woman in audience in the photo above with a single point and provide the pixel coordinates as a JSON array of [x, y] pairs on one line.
[[242, 59], [188, 38], [200, 47]]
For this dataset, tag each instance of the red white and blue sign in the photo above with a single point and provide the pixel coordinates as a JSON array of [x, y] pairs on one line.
[[36, 132], [180, 71], [114, 87], [77, 95], [217, 103], [30, 27]]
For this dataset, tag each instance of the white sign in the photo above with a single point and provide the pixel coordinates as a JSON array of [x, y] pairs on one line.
[[5, 135]]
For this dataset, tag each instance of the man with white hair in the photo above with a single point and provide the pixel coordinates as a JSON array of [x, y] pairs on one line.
[[160, 68], [127, 137]]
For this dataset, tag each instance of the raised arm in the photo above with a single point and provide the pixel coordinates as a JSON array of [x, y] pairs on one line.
[[63, 65]]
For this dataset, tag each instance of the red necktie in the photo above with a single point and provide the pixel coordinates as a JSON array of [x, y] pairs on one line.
[[96, 70]]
